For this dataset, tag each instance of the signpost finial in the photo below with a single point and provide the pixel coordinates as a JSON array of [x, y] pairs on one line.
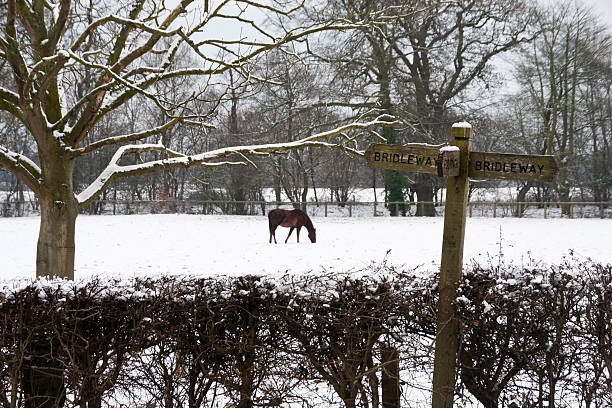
[[461, 131]]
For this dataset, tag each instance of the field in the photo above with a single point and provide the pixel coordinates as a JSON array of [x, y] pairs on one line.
[[210, 244]]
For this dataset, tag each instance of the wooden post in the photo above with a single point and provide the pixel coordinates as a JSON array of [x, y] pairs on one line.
[[494, 209], [390, 378], [326, 208], [545, 207], [458, 163], [447, 329]]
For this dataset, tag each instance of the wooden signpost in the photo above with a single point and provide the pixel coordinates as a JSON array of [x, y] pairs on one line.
[[459, 164], [505, 166], [420, 158]]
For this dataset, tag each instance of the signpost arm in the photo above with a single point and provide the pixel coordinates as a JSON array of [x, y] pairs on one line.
[[447, 330]]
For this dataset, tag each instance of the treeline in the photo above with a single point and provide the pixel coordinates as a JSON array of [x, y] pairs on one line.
[[532, 336], [427, 66]]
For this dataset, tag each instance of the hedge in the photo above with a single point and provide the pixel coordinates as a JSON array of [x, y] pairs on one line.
[[535, 335]]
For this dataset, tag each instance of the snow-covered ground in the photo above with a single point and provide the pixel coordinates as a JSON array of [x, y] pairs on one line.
[[211, 244]]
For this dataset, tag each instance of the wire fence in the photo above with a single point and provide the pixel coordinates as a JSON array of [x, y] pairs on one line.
[[488, 209]]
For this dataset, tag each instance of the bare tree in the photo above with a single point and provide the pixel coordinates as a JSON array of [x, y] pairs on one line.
[[138, 48], [291, 106], [558, 73], [364, 70], [445, 53]]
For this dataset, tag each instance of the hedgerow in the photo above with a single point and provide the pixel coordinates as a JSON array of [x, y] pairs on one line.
[[531, 335]]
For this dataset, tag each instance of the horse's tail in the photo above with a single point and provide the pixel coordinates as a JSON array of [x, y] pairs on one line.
[[274, 219], [270, 222]]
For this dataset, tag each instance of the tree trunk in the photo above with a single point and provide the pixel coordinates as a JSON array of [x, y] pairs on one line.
[[304, 198], [394, 192], [425, 197], [58, 212], [42, 377], [521, 197], [563, 191], [488, 399]]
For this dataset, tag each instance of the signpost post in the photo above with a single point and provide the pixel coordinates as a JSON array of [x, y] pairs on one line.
[[447, 325], [459, 164]]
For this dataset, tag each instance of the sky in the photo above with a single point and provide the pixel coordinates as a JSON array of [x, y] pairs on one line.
[[602, 7]]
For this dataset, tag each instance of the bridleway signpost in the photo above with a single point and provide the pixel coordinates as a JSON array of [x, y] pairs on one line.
[[458, 163], [416, 157]]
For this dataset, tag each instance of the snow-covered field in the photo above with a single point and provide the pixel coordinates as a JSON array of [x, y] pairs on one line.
[[210, 244]]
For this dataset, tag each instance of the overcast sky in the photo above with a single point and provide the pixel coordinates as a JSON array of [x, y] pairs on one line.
[[602, 6]]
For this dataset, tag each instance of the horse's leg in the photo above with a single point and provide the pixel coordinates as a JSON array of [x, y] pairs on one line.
[[298, 233], [273, 235], [290, 231]]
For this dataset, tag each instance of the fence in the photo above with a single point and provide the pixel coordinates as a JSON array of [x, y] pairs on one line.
[[327, 209]]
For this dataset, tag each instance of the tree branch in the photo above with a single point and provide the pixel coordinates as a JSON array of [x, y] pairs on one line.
[[125, 138], [209, 159], [21, 167], [9, 102]]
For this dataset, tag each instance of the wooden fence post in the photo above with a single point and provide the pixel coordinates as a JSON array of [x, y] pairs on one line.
[[390, 377], [447, 328]]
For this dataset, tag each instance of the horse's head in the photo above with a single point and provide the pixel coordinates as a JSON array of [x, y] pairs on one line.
[[312, 235]]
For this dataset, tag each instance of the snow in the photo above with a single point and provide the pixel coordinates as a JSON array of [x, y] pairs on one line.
[[18, 157], [152, 245], [462, 125]]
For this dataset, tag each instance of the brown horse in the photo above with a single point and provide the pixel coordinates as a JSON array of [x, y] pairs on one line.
[[291, 219]]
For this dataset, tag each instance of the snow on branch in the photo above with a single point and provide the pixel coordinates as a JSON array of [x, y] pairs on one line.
[[8, 95], [22, 167], [9, 102], [115, 170]]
